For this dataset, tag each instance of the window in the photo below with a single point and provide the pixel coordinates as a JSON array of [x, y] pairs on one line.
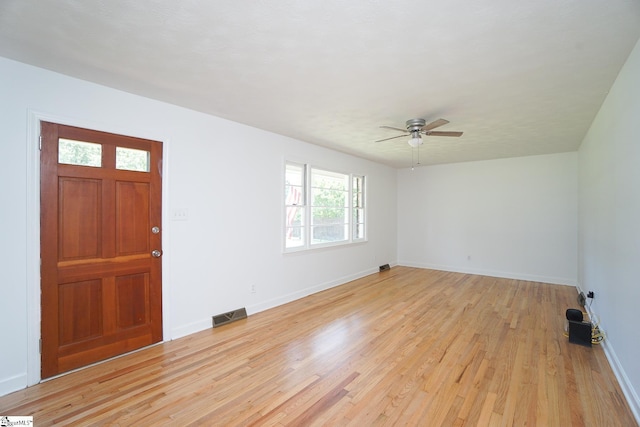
[[322, 207], [329, 207], [132, 160], [295, 201], [79, 153]]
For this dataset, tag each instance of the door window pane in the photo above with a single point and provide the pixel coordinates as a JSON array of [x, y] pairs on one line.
[[130, 159], [79, 153]]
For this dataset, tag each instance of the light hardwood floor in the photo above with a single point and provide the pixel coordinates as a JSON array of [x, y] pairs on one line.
[[404, 347]]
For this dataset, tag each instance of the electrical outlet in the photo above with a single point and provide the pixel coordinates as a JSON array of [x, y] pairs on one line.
[[590, 294], [253, 289]]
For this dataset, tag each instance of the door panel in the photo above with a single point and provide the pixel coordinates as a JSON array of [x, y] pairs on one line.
[[101, 288], [79, 218], [80, 311], [132, 218], [132, 299]]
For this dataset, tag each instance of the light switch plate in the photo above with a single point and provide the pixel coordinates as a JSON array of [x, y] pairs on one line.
[[181, 214]]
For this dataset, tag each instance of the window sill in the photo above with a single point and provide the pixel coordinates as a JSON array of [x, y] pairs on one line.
[[324, 246]]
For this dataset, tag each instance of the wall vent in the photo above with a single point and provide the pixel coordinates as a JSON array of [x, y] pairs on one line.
[[385, 267], [232, 316]]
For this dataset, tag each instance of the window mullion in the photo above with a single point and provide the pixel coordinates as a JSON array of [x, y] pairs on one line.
[[307, 203]]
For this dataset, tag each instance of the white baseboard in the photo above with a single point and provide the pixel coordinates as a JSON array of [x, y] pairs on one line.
[[493, 273], [625, 384], [190, 328], [11, 384], [283, 299], [203, 324], [623, 380]]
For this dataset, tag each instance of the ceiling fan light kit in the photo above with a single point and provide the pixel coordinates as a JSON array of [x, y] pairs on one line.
[[415, 140]]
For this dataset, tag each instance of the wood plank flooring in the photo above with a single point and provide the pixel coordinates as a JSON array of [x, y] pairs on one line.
[[404, 347]]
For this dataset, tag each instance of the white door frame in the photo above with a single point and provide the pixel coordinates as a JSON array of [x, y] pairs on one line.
[[33, 226]]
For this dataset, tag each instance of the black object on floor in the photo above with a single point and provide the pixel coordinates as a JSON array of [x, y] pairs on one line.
[[580, 333]]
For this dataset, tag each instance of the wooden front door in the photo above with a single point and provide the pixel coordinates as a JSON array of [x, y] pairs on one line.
[[100, 246]]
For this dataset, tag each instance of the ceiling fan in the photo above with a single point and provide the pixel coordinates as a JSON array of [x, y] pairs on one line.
[[418, 127]]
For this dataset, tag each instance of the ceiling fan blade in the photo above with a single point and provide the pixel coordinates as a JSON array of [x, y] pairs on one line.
[[443, 133], [392, 128], [435, 124], [393, 137]]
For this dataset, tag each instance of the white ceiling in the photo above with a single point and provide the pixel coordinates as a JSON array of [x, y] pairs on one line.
[[519, 78]]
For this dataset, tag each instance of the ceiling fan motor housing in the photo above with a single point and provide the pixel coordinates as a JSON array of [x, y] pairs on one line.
[[415, 125]]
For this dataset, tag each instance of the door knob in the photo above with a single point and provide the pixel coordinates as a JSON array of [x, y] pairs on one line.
[[156, 253]]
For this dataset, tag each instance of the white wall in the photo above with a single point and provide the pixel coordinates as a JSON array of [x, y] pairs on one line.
[[514, 218], [229, 177], [609, 223]]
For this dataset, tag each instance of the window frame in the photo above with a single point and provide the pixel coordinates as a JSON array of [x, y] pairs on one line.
[[306, 207], [356, 208], [296, 203]]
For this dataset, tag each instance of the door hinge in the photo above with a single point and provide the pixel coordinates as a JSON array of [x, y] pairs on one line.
[[40, 143], [40, 345]]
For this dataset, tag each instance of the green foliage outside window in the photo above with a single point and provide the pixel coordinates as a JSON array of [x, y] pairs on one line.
[[79, 153]]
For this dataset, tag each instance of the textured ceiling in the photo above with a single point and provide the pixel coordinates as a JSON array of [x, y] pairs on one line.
[[519, 78]]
